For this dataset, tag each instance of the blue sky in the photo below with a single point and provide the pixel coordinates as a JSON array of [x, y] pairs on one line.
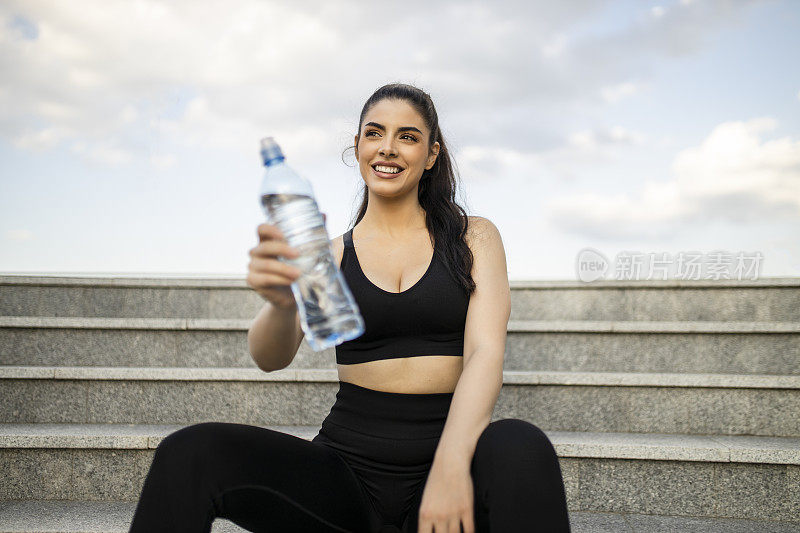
[[129, 136]]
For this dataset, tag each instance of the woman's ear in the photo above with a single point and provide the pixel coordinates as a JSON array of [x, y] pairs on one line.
[[432, 157], [355, 145]]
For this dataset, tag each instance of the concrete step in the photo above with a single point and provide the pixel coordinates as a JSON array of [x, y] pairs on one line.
[[114, 517], [691, 476], [633, 346], [760, 300], [766, 299], [727, 404], [644, 346]]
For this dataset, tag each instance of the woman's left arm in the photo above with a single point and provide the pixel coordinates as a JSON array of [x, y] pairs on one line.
[[448, 493]]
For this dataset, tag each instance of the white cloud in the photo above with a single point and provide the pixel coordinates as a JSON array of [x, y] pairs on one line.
[[598, 139], [658, 11], [255, 66], [488, 163], [733, 175], [557, 163], [56, 111], [555, 47], [43, 139], [164, 161], [129, 114], [20, 235], [102, 153], [615, 93]]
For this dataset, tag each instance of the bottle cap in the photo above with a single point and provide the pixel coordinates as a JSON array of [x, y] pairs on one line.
[[270, 151]]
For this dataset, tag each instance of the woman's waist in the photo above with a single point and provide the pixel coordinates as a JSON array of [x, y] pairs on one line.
[[390, 414], [390, 455], [420, 374]]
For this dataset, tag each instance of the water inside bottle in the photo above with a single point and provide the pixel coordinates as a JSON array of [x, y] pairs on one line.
[[325, 303]]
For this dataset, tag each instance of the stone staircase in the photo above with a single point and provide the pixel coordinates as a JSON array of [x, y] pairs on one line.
[[673, 406]]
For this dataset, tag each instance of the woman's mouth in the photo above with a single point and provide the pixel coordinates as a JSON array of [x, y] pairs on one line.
[[384, 171]]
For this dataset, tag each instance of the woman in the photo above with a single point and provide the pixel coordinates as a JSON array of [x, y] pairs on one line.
[[408, 444]]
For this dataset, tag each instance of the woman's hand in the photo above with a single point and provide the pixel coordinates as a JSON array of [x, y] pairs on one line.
[[270, 275], [447, 500]]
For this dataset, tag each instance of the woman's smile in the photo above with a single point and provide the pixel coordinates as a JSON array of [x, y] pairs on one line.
[[387, 171]]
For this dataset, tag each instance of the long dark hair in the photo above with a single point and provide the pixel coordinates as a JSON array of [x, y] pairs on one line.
[[445, 219]]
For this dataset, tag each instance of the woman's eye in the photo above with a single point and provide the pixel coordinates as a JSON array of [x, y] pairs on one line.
[[404, 136]]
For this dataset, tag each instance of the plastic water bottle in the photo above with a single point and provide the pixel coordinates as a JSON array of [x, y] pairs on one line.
[[328, 312]]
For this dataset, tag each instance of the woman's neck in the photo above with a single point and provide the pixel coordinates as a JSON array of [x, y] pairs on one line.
[[392, 221]]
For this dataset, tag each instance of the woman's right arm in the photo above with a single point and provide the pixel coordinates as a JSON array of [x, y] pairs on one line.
[[274, 337]]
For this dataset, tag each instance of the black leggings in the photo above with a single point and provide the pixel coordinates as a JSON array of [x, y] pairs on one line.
[[364, 472]]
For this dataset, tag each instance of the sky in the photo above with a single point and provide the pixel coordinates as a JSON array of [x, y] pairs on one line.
[[129, 130]]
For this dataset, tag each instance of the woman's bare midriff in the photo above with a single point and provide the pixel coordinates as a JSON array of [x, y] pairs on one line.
[[412, 375]]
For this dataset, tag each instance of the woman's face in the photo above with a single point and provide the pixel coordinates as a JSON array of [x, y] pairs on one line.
[[393, 133]]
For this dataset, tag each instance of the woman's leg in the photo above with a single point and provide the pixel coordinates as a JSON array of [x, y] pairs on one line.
[[260, 479], [517, 480]]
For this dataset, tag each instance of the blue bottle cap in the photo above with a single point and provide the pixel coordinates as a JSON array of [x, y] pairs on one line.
[[270, 151]]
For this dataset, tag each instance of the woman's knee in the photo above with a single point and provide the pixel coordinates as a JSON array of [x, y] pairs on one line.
[[189, 440], [512, 438]]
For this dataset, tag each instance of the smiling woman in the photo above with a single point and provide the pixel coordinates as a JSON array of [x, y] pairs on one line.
[[402, 245], [408, 446], [387, 167]]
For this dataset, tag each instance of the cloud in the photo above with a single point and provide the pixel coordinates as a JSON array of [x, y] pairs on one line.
[[488, 163], [103, 153], [43, 139], [597, 139], [615, 93], [162, 162], [20, 235], [733, 175], [109, 79], [658, 11]]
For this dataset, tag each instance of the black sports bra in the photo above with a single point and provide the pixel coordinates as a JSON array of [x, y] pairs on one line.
[[428, 318]]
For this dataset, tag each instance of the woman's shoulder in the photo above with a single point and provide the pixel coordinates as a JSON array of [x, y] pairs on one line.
[[337, 247], [479, 229], [475, 221]]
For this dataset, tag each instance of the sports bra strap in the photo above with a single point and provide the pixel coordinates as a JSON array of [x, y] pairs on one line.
[[348, 238]]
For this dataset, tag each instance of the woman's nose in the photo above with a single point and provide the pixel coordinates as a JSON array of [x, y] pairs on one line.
[[387, 147]]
